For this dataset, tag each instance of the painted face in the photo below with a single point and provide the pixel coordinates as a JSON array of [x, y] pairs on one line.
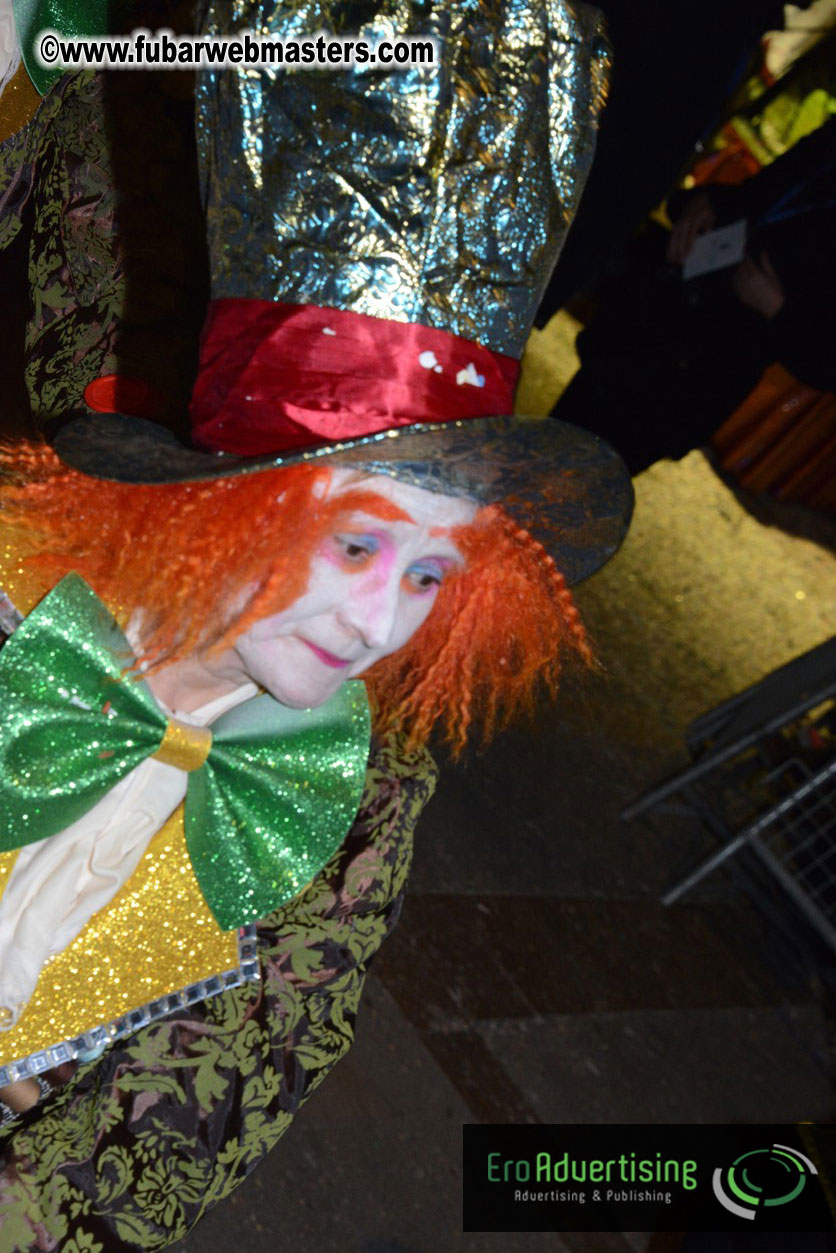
[[371, 587]]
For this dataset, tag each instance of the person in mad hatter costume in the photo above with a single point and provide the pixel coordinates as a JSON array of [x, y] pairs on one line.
[[378, 243]]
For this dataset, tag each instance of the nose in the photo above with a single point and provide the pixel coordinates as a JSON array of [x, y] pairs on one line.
[[371, 608]]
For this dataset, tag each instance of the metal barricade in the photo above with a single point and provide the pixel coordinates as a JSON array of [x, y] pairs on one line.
[[764, 778]]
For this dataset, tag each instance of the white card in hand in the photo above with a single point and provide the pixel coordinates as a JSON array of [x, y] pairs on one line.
[[715, 250]]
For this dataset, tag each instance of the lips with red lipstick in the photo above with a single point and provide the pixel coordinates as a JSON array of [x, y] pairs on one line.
[[328, 659]]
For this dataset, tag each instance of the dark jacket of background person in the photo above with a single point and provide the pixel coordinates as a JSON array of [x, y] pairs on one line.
[[665, 361], [674, 68], [790, 209]]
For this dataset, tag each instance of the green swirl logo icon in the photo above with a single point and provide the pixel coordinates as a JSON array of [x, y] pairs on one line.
[[762, 1177]]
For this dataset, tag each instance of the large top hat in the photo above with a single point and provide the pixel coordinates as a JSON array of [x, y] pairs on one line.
[[379, 241]]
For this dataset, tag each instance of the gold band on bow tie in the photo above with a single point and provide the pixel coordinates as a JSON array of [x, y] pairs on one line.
[[183, 746]]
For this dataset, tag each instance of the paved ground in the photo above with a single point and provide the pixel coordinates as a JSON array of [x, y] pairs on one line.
[[535, 976]]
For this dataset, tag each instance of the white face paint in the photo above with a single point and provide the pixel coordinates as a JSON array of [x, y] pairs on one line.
[[371, 587]]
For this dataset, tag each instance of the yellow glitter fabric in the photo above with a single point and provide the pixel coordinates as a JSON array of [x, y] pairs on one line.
[[18, 103], [155, 937]]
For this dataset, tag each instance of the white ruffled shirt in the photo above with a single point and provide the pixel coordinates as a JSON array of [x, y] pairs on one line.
[[58, 883], [9, 43]]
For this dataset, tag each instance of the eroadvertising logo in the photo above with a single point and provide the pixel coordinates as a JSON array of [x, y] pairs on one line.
[[623, 1178], [773, 1176]]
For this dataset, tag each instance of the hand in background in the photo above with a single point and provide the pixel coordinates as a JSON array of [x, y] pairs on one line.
[[756, 284], [697, 218]]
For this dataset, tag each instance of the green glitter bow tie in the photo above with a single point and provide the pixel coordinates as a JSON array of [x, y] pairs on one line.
[[272, 802], [68, 17]]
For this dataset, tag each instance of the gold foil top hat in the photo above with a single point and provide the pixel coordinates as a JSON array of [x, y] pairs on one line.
[[379, 240], [437, 194], [423, 208]]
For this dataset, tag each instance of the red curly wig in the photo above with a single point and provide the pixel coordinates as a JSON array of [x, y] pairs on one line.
[[204, 561]]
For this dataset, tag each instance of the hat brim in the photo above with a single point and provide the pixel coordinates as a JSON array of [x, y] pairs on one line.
[[564, 485]]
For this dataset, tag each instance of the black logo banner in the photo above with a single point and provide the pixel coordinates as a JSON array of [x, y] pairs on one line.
[[594, 1177]]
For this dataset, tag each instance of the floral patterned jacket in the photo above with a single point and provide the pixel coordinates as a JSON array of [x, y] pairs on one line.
[[134, 1147]]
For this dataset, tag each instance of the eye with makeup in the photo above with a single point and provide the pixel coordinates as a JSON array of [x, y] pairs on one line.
[[425, 576], [354, 548]]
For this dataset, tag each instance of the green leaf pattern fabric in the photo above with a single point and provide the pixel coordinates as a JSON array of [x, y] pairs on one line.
[[116, 258]]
